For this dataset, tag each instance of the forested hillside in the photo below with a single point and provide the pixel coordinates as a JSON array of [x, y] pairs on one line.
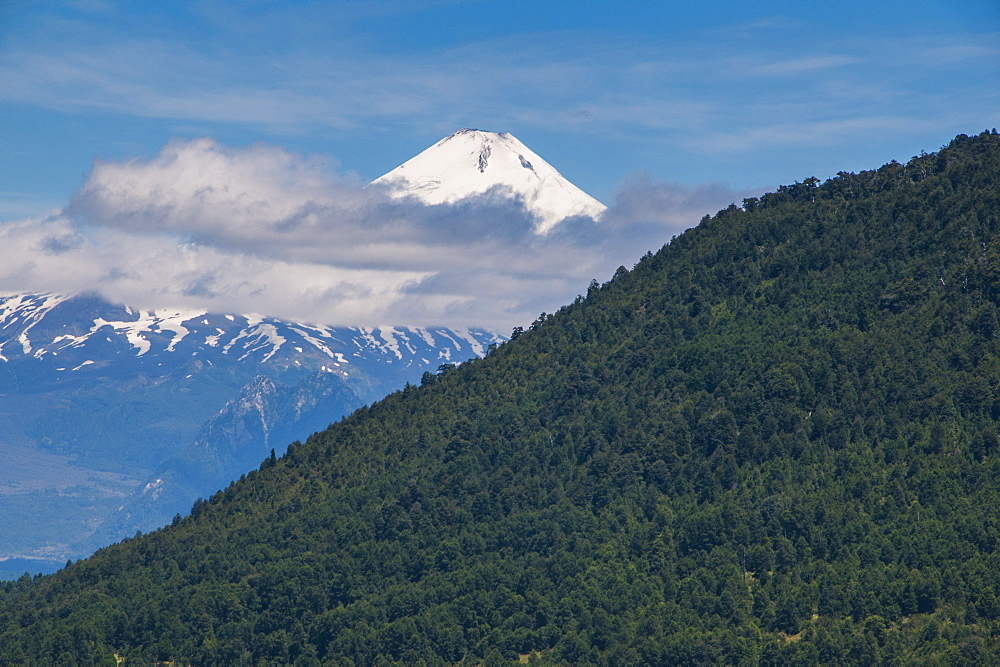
[[775, 440]]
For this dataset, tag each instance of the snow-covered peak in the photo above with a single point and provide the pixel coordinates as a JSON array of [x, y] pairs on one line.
[[470, 162], [73, 332]]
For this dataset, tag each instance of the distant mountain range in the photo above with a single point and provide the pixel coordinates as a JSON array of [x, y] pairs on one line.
[[115, 419]]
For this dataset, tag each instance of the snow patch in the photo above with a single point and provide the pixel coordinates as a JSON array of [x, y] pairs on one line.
[[154, 489], [133, 330], [391, 344], [30, 308], [257, 338], [427, 336], [74, 341], [174, 321], [315, 342], [212, 340], [466, 335]]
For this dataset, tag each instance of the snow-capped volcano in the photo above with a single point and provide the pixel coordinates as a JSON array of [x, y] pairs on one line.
[[470, 162]]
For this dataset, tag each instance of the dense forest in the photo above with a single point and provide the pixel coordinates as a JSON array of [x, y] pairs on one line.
[[773, 441]]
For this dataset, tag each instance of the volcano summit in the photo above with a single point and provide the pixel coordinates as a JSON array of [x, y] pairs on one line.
[[472, 162]]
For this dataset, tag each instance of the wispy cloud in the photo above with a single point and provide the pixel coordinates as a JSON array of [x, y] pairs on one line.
[[694, 85], [792, 133], [802, 65]]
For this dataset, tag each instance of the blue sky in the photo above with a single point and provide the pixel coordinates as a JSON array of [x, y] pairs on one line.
[[705, 101]]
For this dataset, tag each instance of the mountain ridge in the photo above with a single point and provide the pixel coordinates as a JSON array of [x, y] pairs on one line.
[[20, 313]]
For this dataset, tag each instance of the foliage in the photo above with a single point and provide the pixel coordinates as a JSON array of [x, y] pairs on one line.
[[772, 441]]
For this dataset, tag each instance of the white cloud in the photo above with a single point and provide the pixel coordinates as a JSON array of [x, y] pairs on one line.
[[205, 190], [151, 270], [259, 229]]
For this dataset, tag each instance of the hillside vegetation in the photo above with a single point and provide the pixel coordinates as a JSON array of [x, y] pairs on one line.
[[775, 440]]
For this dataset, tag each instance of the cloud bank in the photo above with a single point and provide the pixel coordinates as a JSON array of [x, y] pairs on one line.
[[262, 230]]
